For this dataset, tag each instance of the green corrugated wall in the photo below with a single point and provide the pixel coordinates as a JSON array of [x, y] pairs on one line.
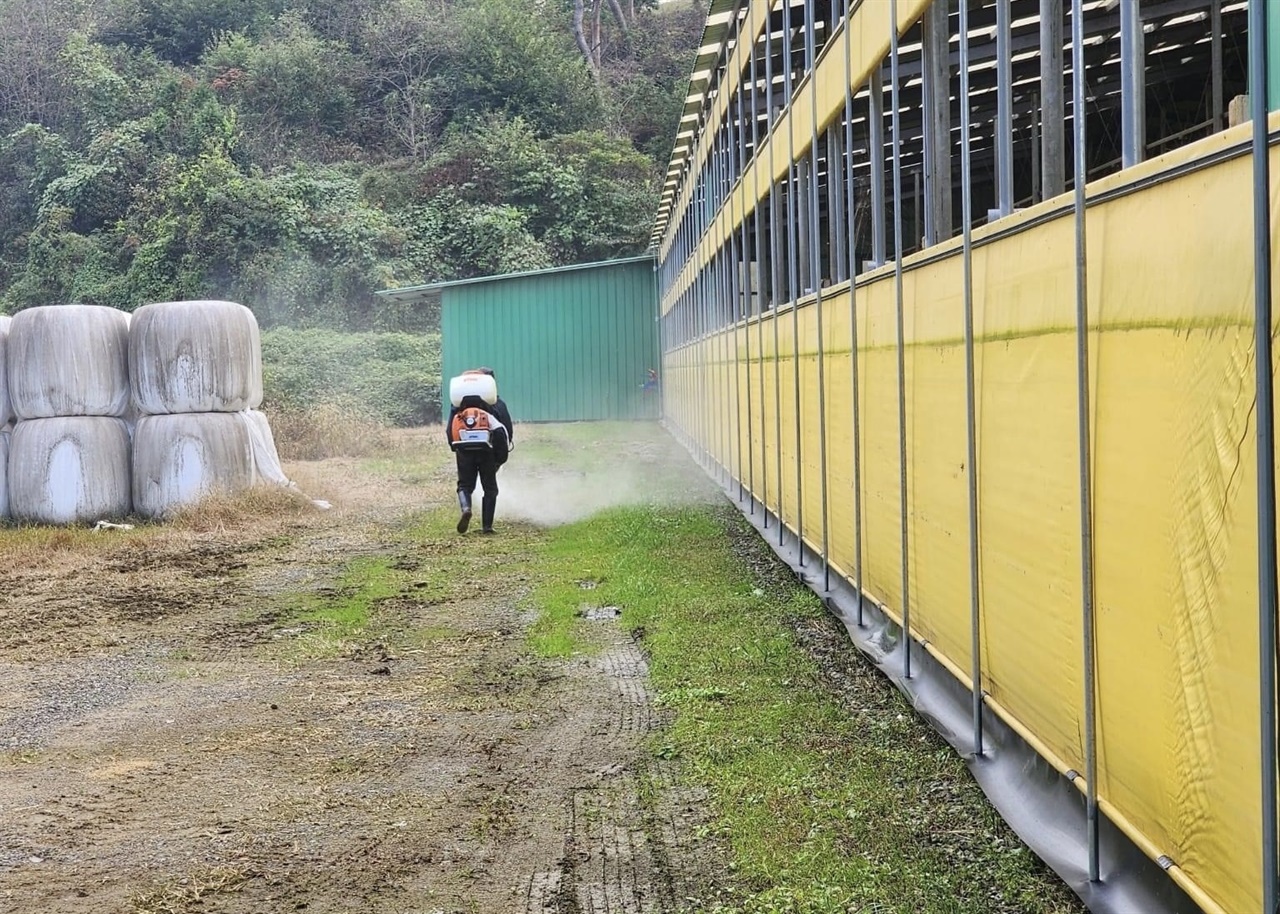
[[566, 345]]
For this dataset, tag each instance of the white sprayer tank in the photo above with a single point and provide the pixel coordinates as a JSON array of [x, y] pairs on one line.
[[473, 384]]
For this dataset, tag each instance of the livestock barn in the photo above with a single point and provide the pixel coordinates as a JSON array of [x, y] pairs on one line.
[[962, 302]]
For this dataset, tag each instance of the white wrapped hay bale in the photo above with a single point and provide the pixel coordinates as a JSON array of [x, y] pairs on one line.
[[195, 357], [5, 412], [69, 469], [68, 360], [179, 459], [266, 459]]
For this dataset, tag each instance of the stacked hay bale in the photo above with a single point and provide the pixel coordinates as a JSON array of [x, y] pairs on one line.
[[69, 391], [196, 374], [5, 418]]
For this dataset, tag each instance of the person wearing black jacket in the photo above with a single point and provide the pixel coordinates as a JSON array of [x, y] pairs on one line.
[[499, 409], [483, 463]]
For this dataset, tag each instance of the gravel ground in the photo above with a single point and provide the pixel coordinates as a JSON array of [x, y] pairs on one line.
[[171, 741]]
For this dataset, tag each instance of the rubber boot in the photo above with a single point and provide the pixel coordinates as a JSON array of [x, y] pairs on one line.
[[487, 508], [464, 504]]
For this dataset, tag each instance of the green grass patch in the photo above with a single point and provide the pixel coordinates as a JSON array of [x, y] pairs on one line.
[[828, 801], [346, 613], [560, 597]]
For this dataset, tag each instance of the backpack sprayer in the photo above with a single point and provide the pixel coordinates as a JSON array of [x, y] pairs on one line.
[[472, 426]]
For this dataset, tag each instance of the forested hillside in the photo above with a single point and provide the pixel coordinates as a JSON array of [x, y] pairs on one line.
[[297, 155]]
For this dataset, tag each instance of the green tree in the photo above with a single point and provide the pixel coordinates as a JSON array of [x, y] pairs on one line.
[[586, 196], [510, 58], [296, 93], [181, 30], [408, 46], [298, 155]]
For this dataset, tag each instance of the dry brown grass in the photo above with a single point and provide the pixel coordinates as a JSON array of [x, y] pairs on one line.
[[326, 430], [189, 893], [256, 512], [224, 513], [38, 547]]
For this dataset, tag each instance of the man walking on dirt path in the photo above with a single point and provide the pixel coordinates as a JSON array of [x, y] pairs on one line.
[[481, 460]]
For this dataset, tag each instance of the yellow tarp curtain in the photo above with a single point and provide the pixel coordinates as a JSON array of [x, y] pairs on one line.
[[1173, 461]]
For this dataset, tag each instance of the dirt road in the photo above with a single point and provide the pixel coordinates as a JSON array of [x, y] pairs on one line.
[[178, 734]]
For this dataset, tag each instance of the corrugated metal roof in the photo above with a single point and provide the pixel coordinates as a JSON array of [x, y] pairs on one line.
[[1169, 26], [720, 15], [432, 290]]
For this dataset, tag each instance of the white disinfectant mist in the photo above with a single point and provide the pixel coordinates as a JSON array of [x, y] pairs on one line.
[[643, 466]]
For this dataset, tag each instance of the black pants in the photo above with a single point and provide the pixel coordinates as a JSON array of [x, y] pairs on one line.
[[483, 464]]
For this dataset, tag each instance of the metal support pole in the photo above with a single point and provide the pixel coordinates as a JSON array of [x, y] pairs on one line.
[[902, 362], [1037, 190], [704, 365], [971, 409], [681, 329], [775, 213], [850, 215], [714, 297], [746, 260], [794, 291], [721, 354], [712, 368], [792, 232], [1053, 112], [758, 223], [1133, 88], [675, 386], [917, 200], [695, 364], [704, 336], [1259, 105], [1215, 66], [707, 272], [1082, 392], [723, 323], [839, 241], [815, 267], [724, 308], [729, 320], [810, 38], [805, 179], [768, 70], [686, 327], [937, 125], [692, 382], [875, 126], [664, 340], [775, 217], [737, 275], [700, 323], [1004, 108]]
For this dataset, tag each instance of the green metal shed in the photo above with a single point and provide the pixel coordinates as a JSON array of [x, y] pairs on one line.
[[566, 344]]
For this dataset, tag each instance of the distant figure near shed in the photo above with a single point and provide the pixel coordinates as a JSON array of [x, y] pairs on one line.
[[481, 434]]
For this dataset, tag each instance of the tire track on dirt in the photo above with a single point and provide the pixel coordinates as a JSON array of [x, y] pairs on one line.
[[628, 844]]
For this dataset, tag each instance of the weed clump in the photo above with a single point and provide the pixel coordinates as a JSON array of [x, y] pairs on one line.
[[394, 377], [326, 430], [221, 513]]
